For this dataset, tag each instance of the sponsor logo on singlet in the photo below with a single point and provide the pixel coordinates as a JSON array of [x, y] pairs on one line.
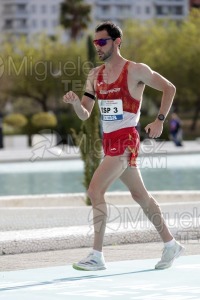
[[115, 90]]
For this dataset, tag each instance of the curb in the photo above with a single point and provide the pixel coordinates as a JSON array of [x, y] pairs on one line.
[[78, 199], [26, 213], [50, 239]]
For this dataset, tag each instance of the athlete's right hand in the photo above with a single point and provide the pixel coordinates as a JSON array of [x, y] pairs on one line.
[[70, 97]]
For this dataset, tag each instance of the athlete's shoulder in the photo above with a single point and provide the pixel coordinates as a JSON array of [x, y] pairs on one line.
[[96, 69], [138, 67], [139, 71], [94, 72]]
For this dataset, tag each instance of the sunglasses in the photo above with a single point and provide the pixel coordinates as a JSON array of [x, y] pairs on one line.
[[101, 42]]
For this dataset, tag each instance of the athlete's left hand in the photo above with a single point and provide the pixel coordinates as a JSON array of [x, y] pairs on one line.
[[154, 129]]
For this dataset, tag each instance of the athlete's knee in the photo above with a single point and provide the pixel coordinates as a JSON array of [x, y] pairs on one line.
[[95, 194], [140, 197], [146, 201]]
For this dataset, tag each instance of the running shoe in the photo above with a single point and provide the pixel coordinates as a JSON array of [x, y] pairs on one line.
[[168, 256], [90, 263]]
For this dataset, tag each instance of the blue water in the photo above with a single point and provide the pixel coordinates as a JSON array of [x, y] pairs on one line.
[[172, 172]]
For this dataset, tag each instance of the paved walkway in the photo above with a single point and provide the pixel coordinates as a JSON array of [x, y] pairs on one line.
[[135, 279], [112, 253]]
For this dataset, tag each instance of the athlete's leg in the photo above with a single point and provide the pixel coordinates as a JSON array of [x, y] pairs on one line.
[[131, 177], [108, 171]]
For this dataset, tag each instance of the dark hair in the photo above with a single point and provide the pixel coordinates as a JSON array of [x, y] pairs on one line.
[[112, 29]]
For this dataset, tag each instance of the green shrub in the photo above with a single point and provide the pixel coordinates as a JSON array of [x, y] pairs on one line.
[[44, 120], [15, 120]]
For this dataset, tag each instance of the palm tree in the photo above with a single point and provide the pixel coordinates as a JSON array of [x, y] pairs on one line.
[[91, 148], [75, 15]]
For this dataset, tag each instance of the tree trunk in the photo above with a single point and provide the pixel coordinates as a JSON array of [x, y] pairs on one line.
[[43, 103], [196, 115]]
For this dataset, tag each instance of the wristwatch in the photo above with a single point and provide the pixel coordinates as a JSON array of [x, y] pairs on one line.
[[161, 117]]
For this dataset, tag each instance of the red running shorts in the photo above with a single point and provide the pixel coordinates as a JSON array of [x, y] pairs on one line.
[[116, 142]]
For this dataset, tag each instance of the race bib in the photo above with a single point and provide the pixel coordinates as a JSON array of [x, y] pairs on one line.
[[111, 110]]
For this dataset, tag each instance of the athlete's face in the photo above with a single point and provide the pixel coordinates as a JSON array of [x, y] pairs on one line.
[[104, 45]]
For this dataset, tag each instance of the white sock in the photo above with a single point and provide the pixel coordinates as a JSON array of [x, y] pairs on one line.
[[170, 243], [98, 253]]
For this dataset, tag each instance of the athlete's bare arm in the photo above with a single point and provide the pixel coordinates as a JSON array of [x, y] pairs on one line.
[[158, 82], [147, 76], [84, 107]]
